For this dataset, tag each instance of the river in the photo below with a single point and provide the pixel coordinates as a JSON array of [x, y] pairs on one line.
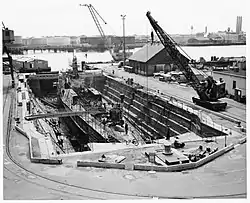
[[61, 60]]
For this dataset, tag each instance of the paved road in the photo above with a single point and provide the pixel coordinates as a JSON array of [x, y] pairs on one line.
[[17, 183], [224, 176], [235, 109]]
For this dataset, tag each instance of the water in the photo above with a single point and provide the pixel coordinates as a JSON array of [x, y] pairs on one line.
[[207, 51], [61, 60]]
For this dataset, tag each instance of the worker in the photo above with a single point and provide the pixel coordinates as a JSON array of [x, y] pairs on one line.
[[113, 72], [126, 128], [152, 36], [168, 133]]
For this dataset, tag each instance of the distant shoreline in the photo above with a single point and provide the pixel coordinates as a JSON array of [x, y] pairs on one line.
[[220, 44]]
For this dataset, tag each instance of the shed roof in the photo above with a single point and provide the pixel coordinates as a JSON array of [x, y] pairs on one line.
[[25, 59], [147, 52]]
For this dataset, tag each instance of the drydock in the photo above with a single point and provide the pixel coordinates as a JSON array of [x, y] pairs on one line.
[[155, 122], [151, 117], [111, 131]]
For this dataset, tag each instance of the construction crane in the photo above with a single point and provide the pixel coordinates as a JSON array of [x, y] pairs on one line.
[[8, 38], [209, 90], [94, 15], [116, 55]]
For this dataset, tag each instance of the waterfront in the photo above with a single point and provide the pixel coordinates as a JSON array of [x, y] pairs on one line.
[[61, 60]]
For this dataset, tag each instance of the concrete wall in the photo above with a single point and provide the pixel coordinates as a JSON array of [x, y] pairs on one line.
[[144, 167], [151, 117], [154, 116], [100, 164], [229, 78]]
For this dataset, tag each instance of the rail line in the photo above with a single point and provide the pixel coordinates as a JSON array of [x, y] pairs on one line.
[[232, 117], [239, 106], [6, 94], [98, 191]]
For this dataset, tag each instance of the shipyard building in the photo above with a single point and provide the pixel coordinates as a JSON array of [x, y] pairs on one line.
[[150, 59]]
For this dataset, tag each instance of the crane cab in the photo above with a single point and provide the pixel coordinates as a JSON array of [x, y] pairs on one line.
[[8, 36]]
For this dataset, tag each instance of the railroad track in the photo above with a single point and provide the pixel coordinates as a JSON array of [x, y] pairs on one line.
[[225, 115], [6, 95], [20, 166], [240, 106], [97, 192]]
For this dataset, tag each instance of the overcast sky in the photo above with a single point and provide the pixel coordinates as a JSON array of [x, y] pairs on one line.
[[65, 17]]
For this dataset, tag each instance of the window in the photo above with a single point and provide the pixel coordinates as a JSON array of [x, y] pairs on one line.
[[234, 84]]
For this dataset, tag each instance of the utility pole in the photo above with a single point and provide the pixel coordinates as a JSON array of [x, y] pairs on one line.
[[124, 53]]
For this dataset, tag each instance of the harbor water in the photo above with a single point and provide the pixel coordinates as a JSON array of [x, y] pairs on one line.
[[61, 60]]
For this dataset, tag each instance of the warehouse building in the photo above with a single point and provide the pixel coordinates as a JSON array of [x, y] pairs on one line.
[[150, 59], [235, 80], [234, 77], [28, 65]]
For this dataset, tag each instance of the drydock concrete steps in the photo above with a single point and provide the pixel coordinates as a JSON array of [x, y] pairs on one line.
[[156, 112]]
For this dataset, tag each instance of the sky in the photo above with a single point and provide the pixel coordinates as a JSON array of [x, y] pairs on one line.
[[35, 18]]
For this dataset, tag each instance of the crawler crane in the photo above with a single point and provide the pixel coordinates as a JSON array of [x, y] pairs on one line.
[[209, 90]]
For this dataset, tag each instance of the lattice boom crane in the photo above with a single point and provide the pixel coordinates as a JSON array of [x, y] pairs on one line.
[[209, 90]]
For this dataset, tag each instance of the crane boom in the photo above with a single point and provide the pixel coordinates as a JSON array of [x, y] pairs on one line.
[[208, 90], [93, 13]]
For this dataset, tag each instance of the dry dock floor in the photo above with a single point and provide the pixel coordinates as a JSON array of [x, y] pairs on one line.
[[224, 177]]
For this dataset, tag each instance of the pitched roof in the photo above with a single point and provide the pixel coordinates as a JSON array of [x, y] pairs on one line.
[[147, 52]]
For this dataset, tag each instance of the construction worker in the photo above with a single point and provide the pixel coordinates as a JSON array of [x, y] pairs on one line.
[[126, 128], [168, 133]]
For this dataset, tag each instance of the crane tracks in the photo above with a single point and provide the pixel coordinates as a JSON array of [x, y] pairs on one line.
[[66, 186], [20, 166], [6, 95]]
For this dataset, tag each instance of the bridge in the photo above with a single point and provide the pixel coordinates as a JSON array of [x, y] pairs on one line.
[[69, 48], [61, 114]]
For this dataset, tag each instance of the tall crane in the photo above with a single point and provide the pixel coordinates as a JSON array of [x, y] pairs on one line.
[[116, 55], [94, 15], [209, 90], [8, 38]]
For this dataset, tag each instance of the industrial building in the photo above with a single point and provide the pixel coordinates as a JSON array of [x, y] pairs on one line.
[[235, 79], [150, 59], [74, 40], [28, 64], [239, 24], [116, 40], [110, 40], [41, 41], [58, 41], [18, 40]]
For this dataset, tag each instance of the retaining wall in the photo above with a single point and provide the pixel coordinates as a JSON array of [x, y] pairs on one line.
[[100, 164], [32, 158], [174, 168], [155, 111]]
